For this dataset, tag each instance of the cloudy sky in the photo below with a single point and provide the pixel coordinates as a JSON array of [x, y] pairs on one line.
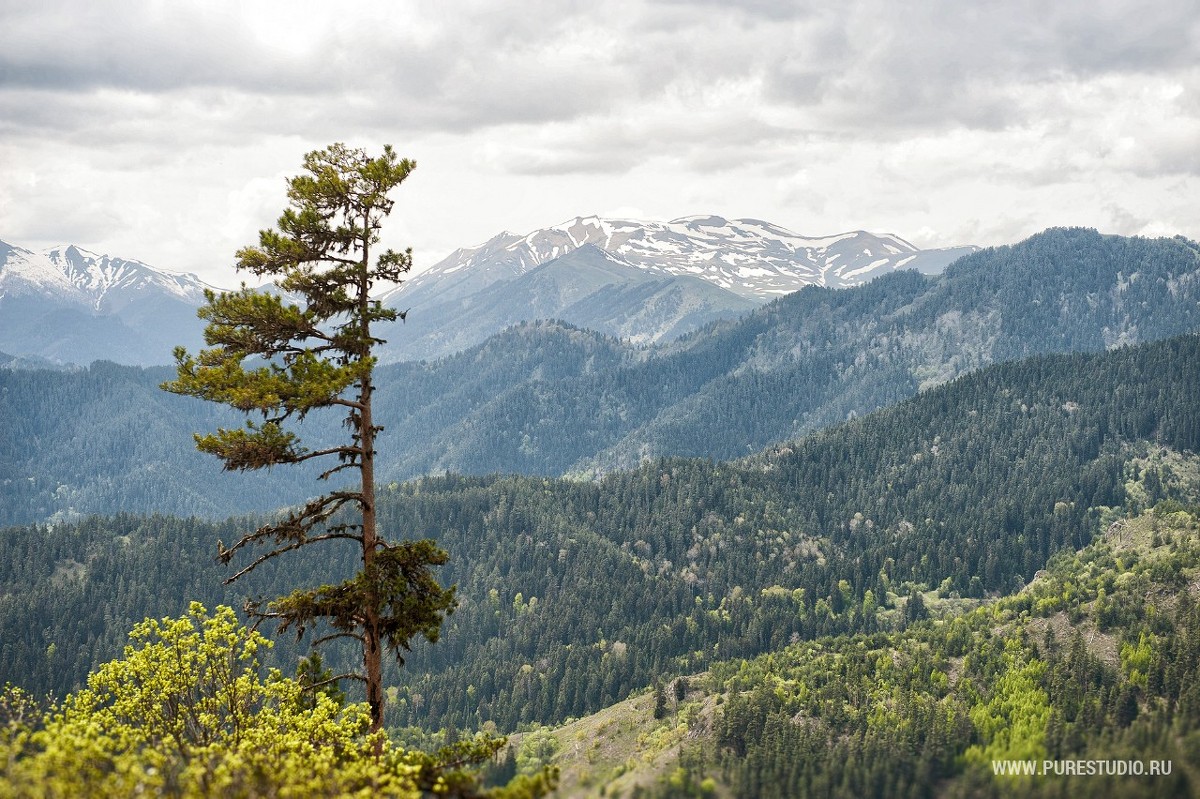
[[163, 130]]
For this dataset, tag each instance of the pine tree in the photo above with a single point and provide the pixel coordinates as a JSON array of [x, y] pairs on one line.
[[660, 701], [318, 680], [914, 609], [281, 361]]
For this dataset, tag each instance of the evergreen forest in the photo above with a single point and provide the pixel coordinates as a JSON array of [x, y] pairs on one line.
[[899, 530], [550, 399]]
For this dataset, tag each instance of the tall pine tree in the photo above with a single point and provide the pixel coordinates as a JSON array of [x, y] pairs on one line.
[[277, 361]]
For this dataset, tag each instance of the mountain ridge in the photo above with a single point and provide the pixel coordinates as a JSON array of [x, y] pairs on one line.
[[578, 593], [110, 281], [93, 276], [750, 261], [550, 398], [694, 245], [69, 304]]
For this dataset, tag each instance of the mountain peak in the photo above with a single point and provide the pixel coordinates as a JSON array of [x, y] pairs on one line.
[[701, 220], [112, 282], [73, 305], [750, 257]]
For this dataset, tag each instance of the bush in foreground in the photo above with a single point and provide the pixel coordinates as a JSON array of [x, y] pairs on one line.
[[187, 713]]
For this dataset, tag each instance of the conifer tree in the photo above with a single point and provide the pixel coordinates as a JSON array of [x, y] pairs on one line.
[[681, 689], [277, 362], [660, 700]]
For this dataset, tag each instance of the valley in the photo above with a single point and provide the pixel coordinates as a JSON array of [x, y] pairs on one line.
[[551, 399], [907, 472], [966, 491]]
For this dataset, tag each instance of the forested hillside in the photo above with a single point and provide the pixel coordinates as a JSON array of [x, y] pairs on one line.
[[549, 399], [968, 489], [820, 356], [106, 439], [1092, 666], [808, 360], [574, 594], [1095, 662]]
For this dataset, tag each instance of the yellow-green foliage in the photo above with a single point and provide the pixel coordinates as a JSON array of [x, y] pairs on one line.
[[537, 751], [1012, 722], [186, 713], [1136, 658]]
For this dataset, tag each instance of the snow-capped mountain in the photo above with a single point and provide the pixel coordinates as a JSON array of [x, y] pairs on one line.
[[720, 268], [73, 306], [748, 257], [26, 273], [103, 283], [111, 284], [586, 287], [643, 281]]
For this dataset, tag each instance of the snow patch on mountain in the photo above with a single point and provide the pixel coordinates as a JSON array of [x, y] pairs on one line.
[[24, 272], [112, 283], [749, 257], [74, 276]]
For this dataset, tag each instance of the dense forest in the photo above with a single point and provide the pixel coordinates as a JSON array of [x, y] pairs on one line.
[[1094, 663], [549, 399], [820, 356], [967, 489], [575, 594], [108, 440]]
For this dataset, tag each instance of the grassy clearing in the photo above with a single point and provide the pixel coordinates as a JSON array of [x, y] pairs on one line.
[[623, 746]]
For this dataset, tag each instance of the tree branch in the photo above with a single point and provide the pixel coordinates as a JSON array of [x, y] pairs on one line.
[[347, 676], [331, 451], [347, 403], [335, 636], [296, 526], [325, 475], [279, 551]]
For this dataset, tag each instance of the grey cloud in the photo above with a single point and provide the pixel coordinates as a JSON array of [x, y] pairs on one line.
[[909, 66], [766, 9], [1111, 35], [708, 143], [1124, 221], [484, 69], [478, 64], [619, 83], [546, 163], [1175, 155], [84, 46], [59, 215], [473, 67]]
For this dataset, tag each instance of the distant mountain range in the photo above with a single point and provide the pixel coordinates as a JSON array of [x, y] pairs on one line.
[[552, 399], [641, 281], [68, 305], [747, 257], [966, 489]]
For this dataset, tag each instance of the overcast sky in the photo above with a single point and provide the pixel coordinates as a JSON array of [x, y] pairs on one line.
[[163, 131]]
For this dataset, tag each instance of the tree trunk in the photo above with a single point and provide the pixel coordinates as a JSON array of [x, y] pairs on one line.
[[372, 645]]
